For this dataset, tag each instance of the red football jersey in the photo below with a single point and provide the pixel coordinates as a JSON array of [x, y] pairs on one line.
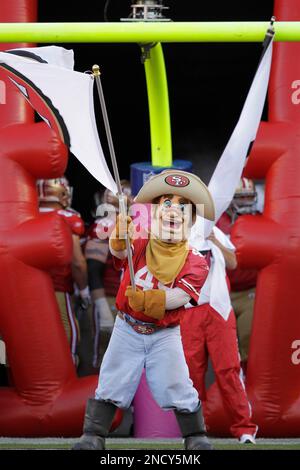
[[74, 221], [62, 276], [100, 231], [190, 279]]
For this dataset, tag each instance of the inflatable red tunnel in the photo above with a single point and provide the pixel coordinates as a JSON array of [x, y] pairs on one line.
[[47, 398], [271, 242]]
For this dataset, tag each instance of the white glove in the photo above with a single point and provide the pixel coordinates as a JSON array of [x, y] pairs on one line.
[[85, 298], [105, 316]]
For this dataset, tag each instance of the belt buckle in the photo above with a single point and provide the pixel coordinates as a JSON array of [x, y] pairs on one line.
[[143, 329]]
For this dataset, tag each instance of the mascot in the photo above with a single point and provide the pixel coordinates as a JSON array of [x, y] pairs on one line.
[[169, 275]]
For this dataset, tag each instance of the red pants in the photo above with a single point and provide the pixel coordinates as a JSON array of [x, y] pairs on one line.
[[205, 333]]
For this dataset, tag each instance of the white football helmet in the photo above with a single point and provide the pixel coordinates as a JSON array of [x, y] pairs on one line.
[[55, 190], [245, 198]]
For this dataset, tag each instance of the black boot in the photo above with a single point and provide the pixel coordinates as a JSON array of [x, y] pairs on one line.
[[97, 421], [193, 430]]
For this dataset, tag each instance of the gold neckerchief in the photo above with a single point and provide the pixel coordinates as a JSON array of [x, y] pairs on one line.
[[165, 260]]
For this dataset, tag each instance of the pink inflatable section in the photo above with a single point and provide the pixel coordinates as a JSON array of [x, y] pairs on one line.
[[149, 419]]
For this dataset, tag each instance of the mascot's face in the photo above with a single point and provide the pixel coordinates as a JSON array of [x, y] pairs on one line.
[[173, 217]]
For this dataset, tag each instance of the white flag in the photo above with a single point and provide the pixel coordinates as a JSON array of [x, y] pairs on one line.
[[224, 181], [64, 100], [229, 169], [52, 55]]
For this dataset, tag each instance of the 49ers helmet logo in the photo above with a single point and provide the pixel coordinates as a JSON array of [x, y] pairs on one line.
[[178, 181]]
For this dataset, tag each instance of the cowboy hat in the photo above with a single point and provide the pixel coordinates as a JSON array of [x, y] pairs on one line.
[[182, 184]]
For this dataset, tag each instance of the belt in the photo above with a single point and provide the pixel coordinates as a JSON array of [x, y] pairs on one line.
[[141, 328]]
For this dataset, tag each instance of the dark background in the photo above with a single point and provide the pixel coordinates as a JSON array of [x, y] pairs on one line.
[[208, 83]]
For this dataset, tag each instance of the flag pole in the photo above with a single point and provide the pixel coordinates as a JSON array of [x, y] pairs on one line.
[[270, 33], [268, 38], [122, 205]]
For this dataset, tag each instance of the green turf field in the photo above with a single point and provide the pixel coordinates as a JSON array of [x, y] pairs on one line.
[[135, 444]]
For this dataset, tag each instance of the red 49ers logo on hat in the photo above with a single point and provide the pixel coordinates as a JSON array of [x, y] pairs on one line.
[[178, 181]]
